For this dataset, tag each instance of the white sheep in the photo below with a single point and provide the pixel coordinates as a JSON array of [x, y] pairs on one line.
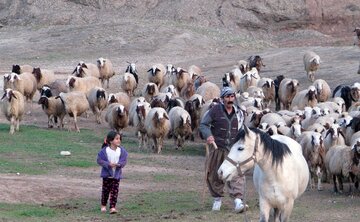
[[340, 102], [128, 83], [138, 120], [322, 89], [156, 75], [43, 77], [98, 102], [117, 116], [120, 97], [132, 108], [170, 71], [208, 91], [75, 104], [13, 107], [333, 136], [54, 109], [287, 91], [157, 125], [332, 107], [149, 91], [250, 78], [106, 70], [18, 69], [311, 64], [25, 84], [180, 122], [256, 92], [86, 69], [307, 97], [314, 152], [82, 84]]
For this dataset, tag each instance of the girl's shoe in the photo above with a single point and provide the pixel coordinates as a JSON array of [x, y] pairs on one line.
[[113, 211], [103, 209]]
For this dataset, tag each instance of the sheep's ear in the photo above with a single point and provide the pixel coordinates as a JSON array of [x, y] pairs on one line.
[[246, 130], [166, 116], [74, 71], [12, 95], [2, 98], [149, 70]]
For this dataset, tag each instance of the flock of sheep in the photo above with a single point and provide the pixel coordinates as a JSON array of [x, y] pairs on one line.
[[173, 101]]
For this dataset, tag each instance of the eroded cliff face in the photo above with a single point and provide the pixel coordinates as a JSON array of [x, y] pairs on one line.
[[324, 15]]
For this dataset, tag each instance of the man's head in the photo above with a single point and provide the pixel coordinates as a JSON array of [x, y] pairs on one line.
[[228, 96]]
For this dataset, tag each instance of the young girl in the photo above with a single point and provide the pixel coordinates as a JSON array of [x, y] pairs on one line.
[[112, 157]]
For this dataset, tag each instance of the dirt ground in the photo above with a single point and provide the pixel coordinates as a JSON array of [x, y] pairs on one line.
[[61, 48]]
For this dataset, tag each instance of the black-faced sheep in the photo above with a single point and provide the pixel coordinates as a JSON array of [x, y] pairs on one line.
[[307, 97], [98, 102], [128, 83], [243, 66], [171, 89], [156, 75], [161, 100], [311, 64], [255, 61], [86, 69], [138, 119], [180, 122], [349, 94], [13, 107], [43, 77], [75, 104], [117, 116], [106, 70], [157, 125], [333, 136], [268, 87], [149, 91], [287, 91], [131, 68], [54, 109], [18, 69]]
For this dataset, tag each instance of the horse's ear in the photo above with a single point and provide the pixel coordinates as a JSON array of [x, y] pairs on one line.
[[246, 129]]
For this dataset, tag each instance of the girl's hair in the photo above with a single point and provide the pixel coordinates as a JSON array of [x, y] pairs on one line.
[[110, 137]]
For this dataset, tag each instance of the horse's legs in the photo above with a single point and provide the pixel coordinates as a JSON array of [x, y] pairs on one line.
[[264, 210], [285, 213]]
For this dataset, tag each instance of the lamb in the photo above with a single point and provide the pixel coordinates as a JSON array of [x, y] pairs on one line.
[[82, 84], [268, 87], [106, 70], [322, 89], [311, 64], [75, 104], [43, 77], [157, 125], [54, 109], [120, 97], [18, 69], [287, 91], [98, 102], [208, 91], [277, 82], [128, 83], [131, 68], [349, 94], [250, 78], [314, 152], [138, 120], [180, 79], [307, 97], [156, 75], [54, 88], [13, 107], [149, 91], [132, 108], [86, 69], [180, 122], [117, 116], [338, 161], [25, 84]]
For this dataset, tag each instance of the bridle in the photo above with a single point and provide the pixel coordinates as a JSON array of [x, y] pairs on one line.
[[239, 164]]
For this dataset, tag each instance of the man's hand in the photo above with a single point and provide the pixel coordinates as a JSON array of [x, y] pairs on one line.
[[210, 140]]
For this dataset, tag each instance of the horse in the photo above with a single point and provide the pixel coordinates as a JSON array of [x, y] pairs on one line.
[[281, 173]]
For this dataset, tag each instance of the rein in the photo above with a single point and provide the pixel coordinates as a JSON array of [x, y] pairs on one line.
[[252, 158]]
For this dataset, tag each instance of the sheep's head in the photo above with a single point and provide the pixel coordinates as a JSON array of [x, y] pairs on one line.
[[37, 73], [44, 101], [170, 69], [355, 91], [180, 73], [157, 102], [293, 86], [16, 69], [311, 93], [150, 88], [120, 111], [141, 112], [198, 102], [46, 91], [315, 61], [101, 94], [8, 94], [112, 99], [131, 68], [334, 131], [71, 82], [153, 70], [7, 77], [101, 62], [160, 117]]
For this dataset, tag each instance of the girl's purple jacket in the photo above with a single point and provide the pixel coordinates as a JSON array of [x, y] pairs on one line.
[[106, 170]]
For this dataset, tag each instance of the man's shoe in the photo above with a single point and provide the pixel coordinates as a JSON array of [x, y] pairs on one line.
[[216, 205], [240, 206]]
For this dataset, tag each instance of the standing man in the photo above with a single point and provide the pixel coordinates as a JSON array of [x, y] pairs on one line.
[[220, 125]]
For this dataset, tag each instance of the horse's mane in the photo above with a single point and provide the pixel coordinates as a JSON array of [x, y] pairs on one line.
[[277, 149]]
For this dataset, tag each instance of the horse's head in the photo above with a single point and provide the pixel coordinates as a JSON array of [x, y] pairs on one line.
[[241, 156]]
